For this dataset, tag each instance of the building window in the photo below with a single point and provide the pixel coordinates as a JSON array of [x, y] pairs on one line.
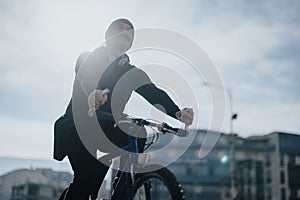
[[211, 171], [227, 192], [283, 194], [33, 190], [249, 192], [249, 180], [282, 177], [54, 193], [269, 193], [292, 160], [268, 160], [189, 170], [268, 176], [281, 161]]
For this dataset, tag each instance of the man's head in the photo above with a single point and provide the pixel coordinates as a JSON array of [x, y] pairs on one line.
[[119, 35]]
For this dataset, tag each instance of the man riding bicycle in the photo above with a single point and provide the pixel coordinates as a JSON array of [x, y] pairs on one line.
[[110, 68]]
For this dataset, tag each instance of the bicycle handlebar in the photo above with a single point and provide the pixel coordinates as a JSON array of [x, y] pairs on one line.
[[121, 118]]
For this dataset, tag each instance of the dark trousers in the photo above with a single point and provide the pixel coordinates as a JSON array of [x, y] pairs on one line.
[[88, 171]]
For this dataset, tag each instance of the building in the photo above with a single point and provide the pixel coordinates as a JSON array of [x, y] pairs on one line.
[[249, 179], [34, 184], [264, 167], [33, 191], [283, 167], [205, 177]]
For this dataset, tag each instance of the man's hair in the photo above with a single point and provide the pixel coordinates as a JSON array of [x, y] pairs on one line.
[[114, 23]]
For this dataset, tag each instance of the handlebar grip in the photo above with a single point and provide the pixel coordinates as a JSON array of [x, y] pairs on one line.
[[91, 111], [182, 133]]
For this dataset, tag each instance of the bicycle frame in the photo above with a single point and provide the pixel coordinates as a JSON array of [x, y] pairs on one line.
[[125, 176]]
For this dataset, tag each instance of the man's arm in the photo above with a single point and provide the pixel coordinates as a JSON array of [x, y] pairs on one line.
[[159, 98]]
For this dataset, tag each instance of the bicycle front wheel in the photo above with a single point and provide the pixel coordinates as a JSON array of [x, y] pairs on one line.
[[157, 184]]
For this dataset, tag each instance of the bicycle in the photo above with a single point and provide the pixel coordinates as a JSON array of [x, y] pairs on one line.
[[137, 180]]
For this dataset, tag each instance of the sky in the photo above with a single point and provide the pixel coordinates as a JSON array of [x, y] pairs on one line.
[[255, 46]]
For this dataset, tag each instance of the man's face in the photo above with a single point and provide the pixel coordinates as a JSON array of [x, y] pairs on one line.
[[122, 37]]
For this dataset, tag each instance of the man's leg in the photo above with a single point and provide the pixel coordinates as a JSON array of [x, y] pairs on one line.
[[88, 172]]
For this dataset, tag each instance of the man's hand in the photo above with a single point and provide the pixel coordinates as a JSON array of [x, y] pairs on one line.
[[96, 99], [186, 116]]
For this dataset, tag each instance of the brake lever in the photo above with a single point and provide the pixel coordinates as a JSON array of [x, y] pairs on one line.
[[176, 131]]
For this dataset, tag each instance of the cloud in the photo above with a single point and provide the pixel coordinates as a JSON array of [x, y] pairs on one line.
[[25, 138], [254, 44]]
